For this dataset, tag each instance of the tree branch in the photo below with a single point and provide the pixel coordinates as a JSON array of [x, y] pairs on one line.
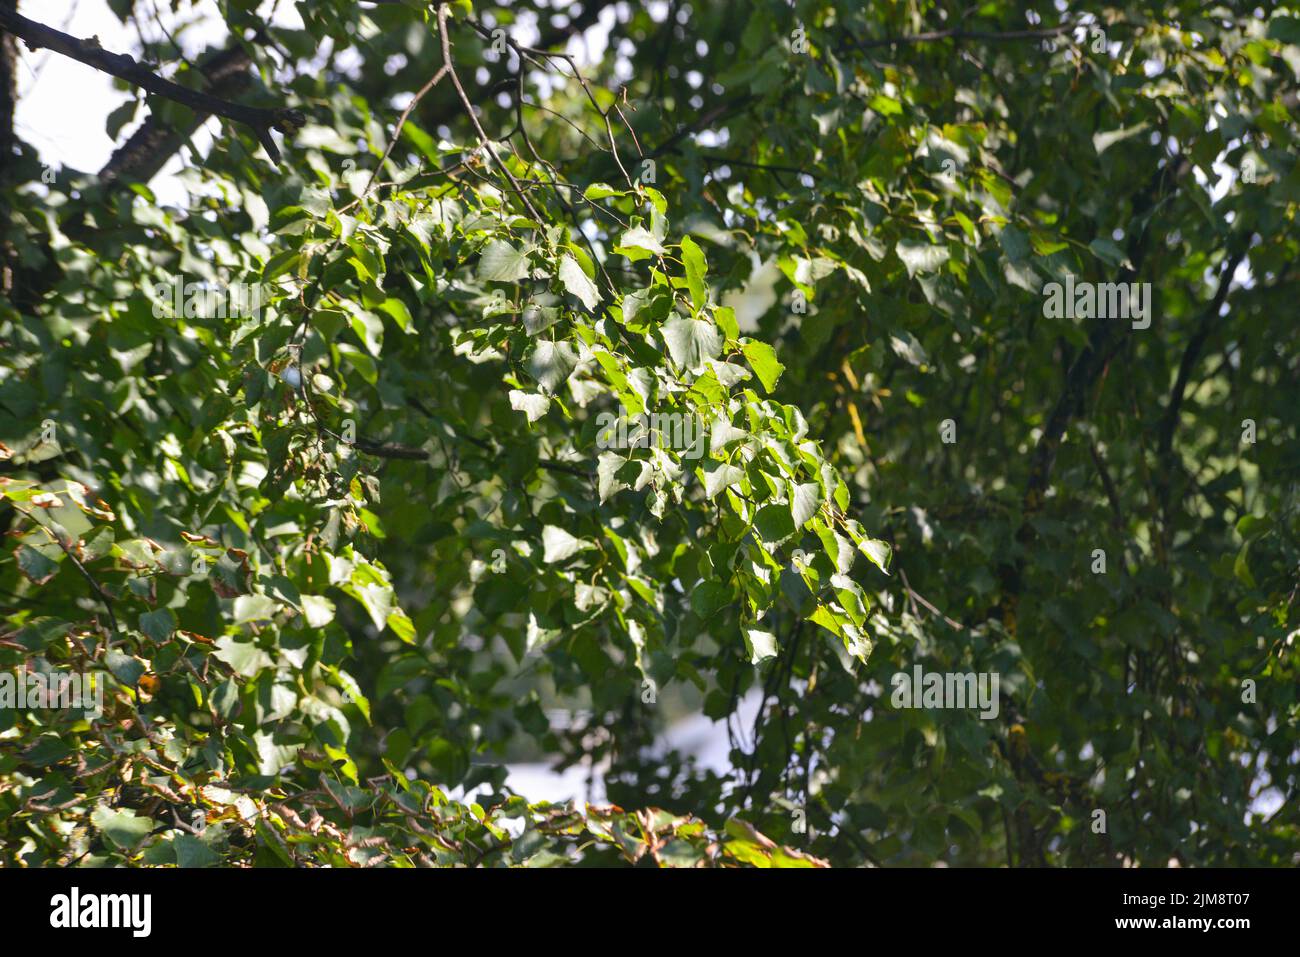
[[1087, 368], [96, 589], [1108, 483], [550, 465], [1193, 351], [8, 90], [125, 67], [1165, 454], [484, 141], [390, 450], [155, 142], [149, 148], [719, 111]]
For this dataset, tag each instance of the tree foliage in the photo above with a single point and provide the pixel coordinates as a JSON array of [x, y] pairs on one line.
[[335, 549]]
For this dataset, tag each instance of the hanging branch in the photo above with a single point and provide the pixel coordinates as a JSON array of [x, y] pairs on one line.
[[124, 67]]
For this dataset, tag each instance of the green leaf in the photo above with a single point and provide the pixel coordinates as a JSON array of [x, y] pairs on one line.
[[126, 668], [710, 597], [878, 552], [502, 262], [225, 698], [400, 313], [1014, 243], [422, 141], [192, 852], [1252, 526], [401, 625], [886, 105], [691, 341], [720, 477], [35, 565], [637, 243], [762, 359], [551, 364], [805, 500], [254, 608], [725, 317], [693, 259], [838, 548], [761, 645], [827, 619], [601, 191], [531, 404], [123, 827], [577, 283], [907, 347], [317, 610], [774, 524], [607, 467], [158, 625], [1108, 138], [1241, 567], [1284, 28], [921, 257], [1110, 253], [558, 545], [244, 657]]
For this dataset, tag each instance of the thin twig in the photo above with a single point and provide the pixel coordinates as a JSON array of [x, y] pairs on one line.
[[469, 110], [397, 131]]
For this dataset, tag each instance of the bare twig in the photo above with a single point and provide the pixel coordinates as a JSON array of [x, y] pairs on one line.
[[473, 117], [397, 130]]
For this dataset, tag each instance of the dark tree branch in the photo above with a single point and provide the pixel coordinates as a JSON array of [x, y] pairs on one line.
[[147, 151], [483, 139], [124, 67], [390, 450], [1108, 483], [1165, 455], [1193, 351], [9, 258], [395, 450], [8, 90], [1085, 370], [718, 112], [551, 465], [1091, 363]]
